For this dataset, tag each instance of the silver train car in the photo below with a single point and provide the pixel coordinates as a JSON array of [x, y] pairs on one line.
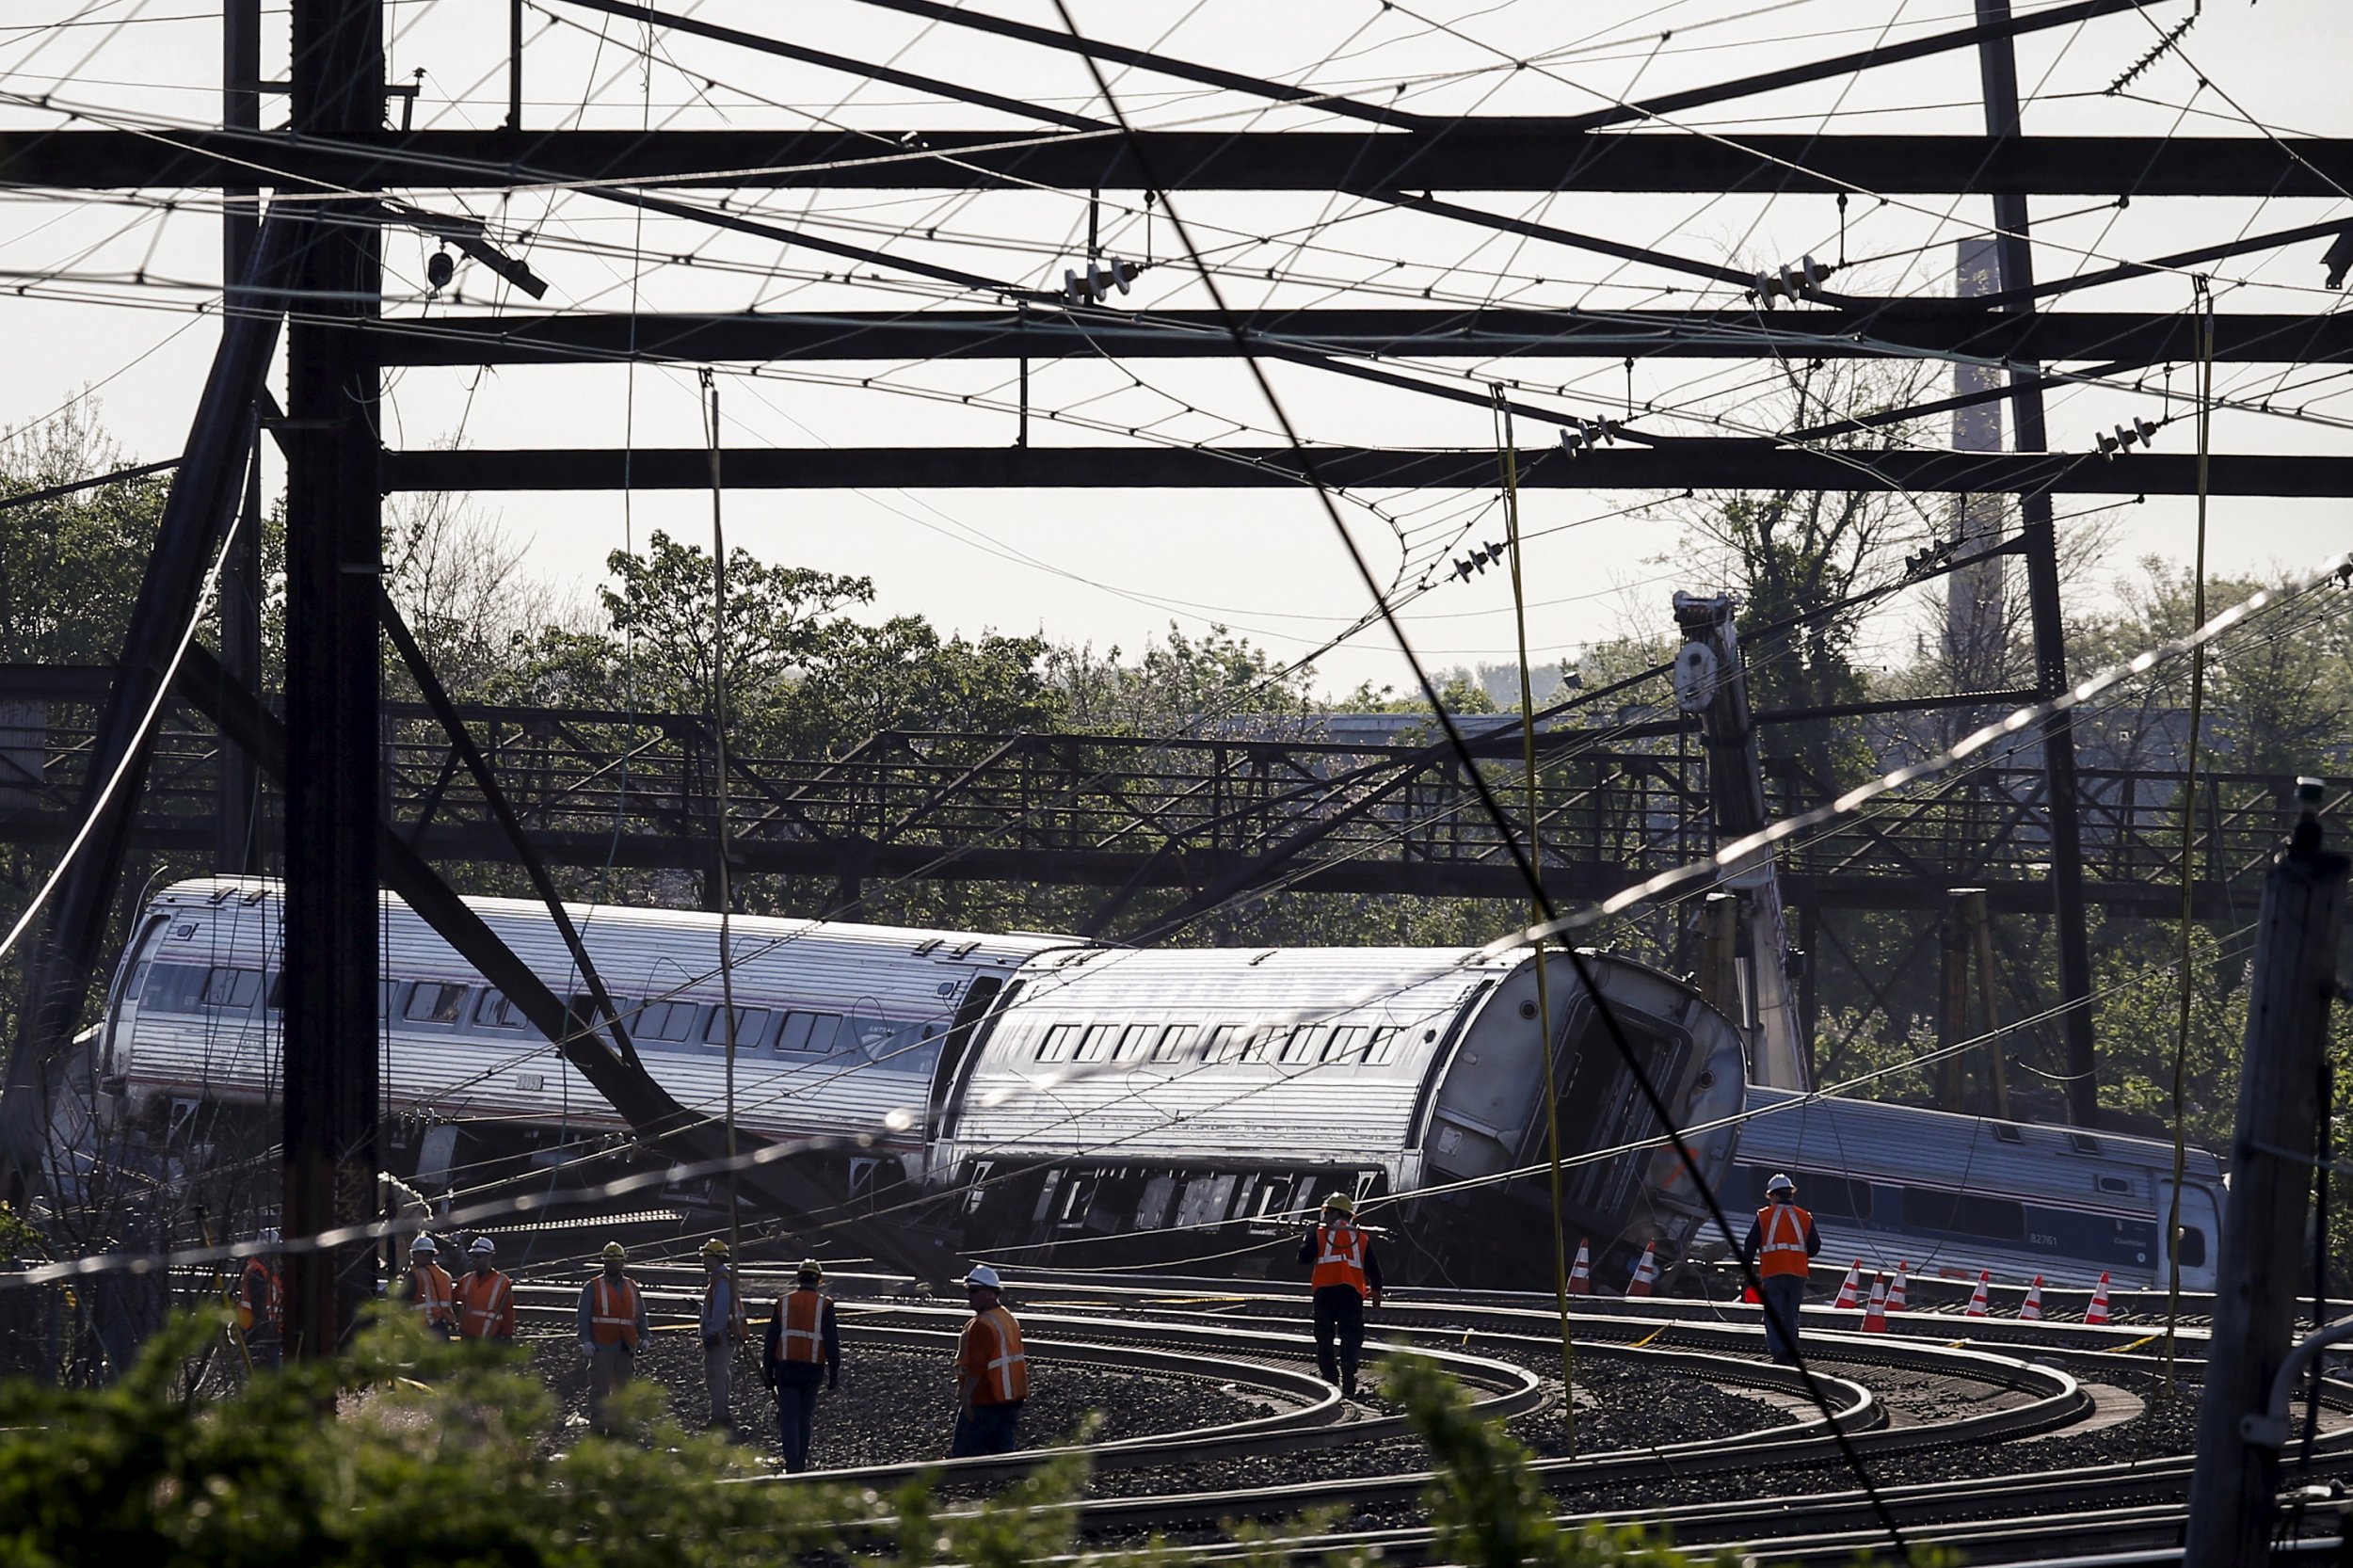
[[1951, 1195], [1081, 1102]]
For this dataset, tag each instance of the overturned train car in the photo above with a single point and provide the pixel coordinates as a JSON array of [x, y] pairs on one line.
[[1047, 1098]]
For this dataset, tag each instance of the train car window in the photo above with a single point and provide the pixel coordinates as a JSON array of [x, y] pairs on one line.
[[1964, 1214], [227, 987], [1256, 1044], [1058, 1042], [1135, 1042], [1347, 1043], [431, 1002], [1096, 1044], [752, 1026], [496, 1011], [811, 1034], [2007, 1133], [668, 1020], [176, 987], [1306, 1042], [139, 982], [2190, 1252], [276, 1000], [1176, 1043], [1384, 1044], [1829, 1196], [1224, 1045]]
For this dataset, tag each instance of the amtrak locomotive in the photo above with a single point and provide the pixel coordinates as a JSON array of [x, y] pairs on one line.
[[1102, 1105]]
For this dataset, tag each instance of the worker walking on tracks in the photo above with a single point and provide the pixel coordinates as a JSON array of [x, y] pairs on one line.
[[485, 1297], [724, 1328], [804, 1350], [262, 1304], [992, 1372], [1346, 1276], [1780, 1246], [428, 1287], [612, 1327]]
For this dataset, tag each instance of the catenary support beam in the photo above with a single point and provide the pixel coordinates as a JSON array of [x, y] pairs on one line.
[[860, 335], [1531, 155], [334, 556], [242, 590], [1707, 464]]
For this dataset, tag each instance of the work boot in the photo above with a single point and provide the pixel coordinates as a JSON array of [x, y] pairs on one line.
[[1348, 1385]]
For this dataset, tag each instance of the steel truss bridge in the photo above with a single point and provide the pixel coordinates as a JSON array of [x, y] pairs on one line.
[[1217, 817]]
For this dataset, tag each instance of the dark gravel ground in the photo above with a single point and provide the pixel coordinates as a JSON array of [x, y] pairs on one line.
[[897, 1406]]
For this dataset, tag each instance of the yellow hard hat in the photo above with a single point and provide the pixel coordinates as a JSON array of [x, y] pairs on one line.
[[1342, 1202], [810, 1269], [615, 1253], [715, 1248]]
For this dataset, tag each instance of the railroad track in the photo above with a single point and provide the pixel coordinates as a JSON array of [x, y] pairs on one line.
[[1969, 1387]]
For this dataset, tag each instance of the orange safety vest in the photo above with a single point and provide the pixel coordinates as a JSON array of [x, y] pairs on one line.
[[994, 1366], [738, 1326], [1341, 1259], [612, 1311], [433, 1295], [1780, 1249], [272, 1297], [486, 1305], [801, 1316]]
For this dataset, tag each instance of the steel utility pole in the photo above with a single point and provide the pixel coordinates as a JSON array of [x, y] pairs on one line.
[[241, 589], [334, 557], [2234, 1492], [1997, 64]]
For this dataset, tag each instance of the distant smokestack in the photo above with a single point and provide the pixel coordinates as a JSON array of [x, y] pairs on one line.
[[1973, 615]]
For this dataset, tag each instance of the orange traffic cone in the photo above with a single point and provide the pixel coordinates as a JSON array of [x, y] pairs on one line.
[[2097, 1313], [1977, 1301], [1850, 1293], [2031, 1311], [1645, 1271], [1895, 1291], [1875, 1315], [1581, 1277]]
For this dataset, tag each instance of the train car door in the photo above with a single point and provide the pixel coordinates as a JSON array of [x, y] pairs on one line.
[[2200, 1243]]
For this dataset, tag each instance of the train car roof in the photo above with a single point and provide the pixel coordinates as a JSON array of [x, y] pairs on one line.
[[1004, 947], [1871, 1138]]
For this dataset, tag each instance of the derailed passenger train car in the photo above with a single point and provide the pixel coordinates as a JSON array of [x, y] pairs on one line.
[[1172, 1105], [1088, 1103]]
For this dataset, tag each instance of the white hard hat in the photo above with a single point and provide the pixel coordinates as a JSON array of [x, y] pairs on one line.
[[984, 1276], [424, 1243], [483, 1247], [1780, 1183]]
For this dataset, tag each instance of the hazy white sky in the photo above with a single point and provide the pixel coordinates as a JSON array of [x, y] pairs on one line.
[[114, 292]]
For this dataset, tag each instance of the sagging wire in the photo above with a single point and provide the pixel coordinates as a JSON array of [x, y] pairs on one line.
[[721, 871]]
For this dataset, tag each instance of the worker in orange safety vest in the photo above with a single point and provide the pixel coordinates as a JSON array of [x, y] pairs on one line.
[[428, 1287], [1781, 1247], [485, 1297], [992, 1371], [1346, 1276], [804, 1351], [262, 1304], [613, 1326]]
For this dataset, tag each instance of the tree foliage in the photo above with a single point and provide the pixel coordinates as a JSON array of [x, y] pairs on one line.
[[411, 1452]]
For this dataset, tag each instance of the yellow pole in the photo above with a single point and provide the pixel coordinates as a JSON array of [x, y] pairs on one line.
[[1535, 857]]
